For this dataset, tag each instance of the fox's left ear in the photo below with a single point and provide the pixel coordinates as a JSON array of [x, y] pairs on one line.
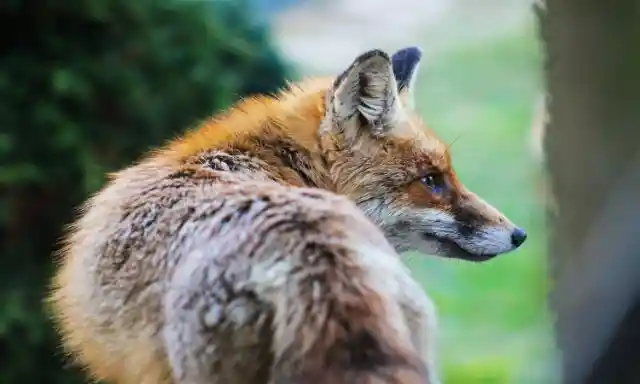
[[364, 98], [406, 63], [369, 96]]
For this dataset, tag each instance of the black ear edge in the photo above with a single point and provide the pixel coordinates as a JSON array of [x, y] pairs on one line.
[[404, 63]]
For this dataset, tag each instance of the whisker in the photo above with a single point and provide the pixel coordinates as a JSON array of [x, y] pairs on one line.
[[454, 141]]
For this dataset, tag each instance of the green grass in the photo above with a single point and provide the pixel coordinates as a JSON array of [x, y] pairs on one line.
[[494, 325]]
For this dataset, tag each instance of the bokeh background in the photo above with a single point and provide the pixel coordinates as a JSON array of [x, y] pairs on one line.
[[87, 86]]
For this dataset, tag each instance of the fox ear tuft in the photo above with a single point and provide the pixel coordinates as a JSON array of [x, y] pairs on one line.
[[406, 63]]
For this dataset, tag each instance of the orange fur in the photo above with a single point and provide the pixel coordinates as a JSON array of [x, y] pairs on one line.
[[295, 113]]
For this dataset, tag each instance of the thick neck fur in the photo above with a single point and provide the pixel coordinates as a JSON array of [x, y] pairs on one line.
[[282, 132]]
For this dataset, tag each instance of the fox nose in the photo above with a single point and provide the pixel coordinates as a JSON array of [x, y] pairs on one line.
[[518, 236]]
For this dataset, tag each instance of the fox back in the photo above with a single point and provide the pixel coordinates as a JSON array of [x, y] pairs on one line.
[[262, 247]]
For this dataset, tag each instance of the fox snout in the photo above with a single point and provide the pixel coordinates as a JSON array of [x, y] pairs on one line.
[[469, 229]]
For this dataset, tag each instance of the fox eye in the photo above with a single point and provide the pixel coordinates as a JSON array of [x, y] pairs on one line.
[[435, 182]]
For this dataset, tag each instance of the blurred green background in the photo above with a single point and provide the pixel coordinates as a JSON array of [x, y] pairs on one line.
[[87, 86], [495, 327]]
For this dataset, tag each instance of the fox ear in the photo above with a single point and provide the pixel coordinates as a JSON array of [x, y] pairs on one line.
[[406, 63], [365, 96]]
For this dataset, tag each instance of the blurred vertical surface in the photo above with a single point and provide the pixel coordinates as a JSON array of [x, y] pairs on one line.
[[593, 147]]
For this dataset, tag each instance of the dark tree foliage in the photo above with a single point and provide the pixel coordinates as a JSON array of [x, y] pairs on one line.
[[85, 88]]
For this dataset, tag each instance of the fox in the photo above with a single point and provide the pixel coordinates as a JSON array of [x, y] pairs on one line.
[[264, 245]]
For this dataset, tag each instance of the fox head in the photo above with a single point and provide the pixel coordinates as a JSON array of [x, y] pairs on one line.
[[398, 171]]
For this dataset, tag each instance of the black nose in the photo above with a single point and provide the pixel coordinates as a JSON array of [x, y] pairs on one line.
[[518, 236]]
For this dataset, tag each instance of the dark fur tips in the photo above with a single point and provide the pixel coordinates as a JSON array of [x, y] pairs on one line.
[[405, 62]]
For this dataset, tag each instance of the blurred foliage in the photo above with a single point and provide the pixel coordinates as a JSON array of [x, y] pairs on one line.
[[85, 88], [263, 9]]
